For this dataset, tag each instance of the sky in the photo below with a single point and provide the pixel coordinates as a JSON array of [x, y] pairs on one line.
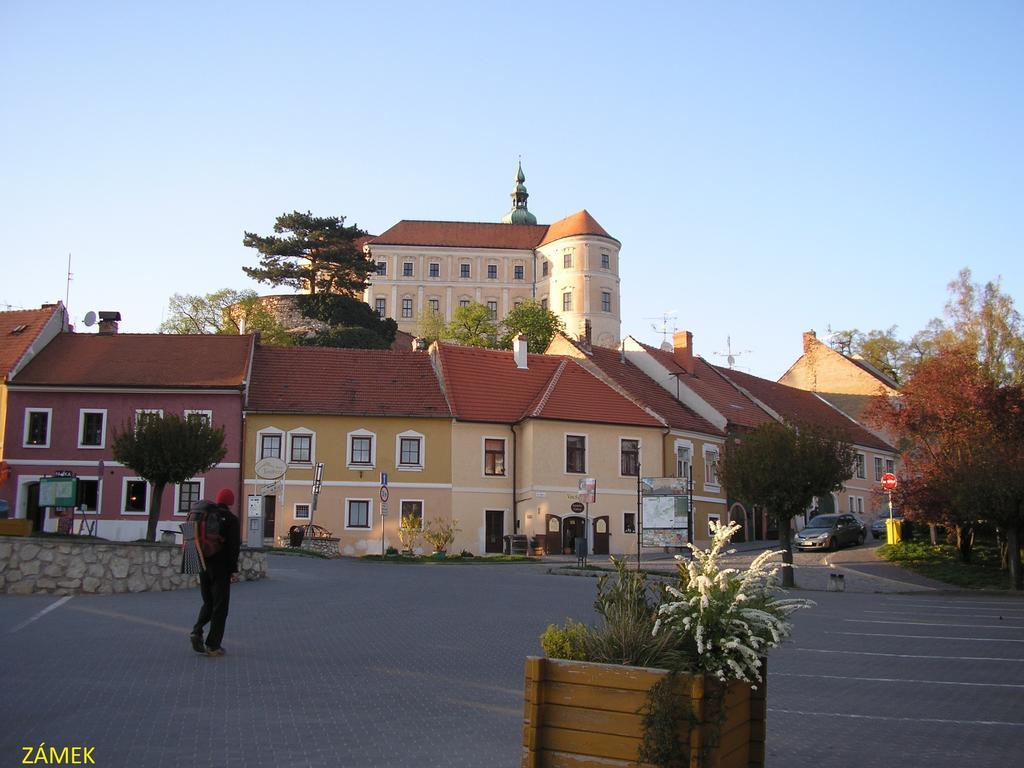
[[769, 167]]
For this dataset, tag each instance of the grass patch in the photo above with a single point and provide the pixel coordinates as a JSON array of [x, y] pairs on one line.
[[940, 562], [293, 551]]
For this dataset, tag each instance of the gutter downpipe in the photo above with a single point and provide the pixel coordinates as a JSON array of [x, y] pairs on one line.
[[515, 462]]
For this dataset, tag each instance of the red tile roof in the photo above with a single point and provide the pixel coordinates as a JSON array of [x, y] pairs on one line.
[[140, 360], [19, 329], [486, 385], [797, 406], [375, 382], [647, 392], [474, 234], [709, 385]]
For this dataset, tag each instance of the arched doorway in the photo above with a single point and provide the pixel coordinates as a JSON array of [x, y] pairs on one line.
[[552, 534], [738, 515], [572, 528], [601, 535]]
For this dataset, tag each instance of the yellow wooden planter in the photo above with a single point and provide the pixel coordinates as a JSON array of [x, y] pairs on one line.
[[584, 715], [16, 527]]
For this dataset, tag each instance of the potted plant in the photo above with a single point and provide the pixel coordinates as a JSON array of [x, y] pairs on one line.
[[440, 534], [409, 531], [673, 675]]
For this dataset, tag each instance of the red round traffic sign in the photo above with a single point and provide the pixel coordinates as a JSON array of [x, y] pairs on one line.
[[889, 481], [383, 493]]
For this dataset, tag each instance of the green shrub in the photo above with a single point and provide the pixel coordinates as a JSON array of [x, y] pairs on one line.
[[565, 642]]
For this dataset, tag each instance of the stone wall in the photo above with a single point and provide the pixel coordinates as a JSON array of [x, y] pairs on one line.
[[327, 546], [69, 567]]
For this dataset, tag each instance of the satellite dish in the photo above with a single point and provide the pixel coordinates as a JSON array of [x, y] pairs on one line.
[[89, 319]]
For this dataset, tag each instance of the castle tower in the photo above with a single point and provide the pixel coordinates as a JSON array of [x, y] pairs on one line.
[[519, 213]]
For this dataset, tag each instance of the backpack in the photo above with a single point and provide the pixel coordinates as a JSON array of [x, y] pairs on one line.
[[210, 528]]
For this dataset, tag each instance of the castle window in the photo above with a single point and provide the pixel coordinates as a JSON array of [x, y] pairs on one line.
[[606, 261], [606, 301], [463, 302], [544, 268], [544, 304], [435, 305], [406, 308], [381, 307], [492, 271], [464, 270], [492, 309], [567, 260], [407, 269], [567, 302], [435, 269], [517, 272], [382, 267]]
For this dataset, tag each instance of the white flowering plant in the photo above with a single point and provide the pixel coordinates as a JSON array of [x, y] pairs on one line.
[[725, 620]]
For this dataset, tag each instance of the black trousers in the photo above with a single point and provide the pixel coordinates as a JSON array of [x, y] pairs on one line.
[[215, 585]]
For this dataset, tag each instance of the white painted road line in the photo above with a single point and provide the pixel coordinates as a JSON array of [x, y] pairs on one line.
[[42, 613], [929, 624], [1002, 615], [964, 605], [926, 637], [908, 655], [893, 719], [897, 680]]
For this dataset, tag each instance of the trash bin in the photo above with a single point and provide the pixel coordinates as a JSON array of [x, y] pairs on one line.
[[295, 534], [893, 531], [581, 546], [517, 544], [508, 545]]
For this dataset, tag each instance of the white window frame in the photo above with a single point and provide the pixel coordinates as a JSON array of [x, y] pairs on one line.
[[49, 427], [407, 435], [348, 449], [411, 308], [860, 466], [607, 294], [879, 467], [124, 496], [711, 485], [565, 453], [268, 431], [382, 272], [301, 432], [434, 305], [492, 267], [434, 269], [177, 494], [81, 428], [369, 514], [408, 269], [380, 304], [639, 453], [465, 270], [423, 510], [624, 530], [483, 456], [606, 257], [688, 445], [567, 299], [99, 494], [141, 411], [518, 272], [492, 308], [203, 411], [295, 510]]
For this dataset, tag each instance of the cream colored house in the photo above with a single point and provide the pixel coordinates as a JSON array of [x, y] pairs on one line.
[[360, 413], [571, 267], [539, 424]]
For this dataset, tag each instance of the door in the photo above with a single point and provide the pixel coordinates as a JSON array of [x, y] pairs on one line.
[[553, 535], [494, 530], [572, 528], [601, 535], [33, 511], [269, 505]]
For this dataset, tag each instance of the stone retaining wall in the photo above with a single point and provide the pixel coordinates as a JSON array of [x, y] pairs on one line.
[[328, 546], [67, 566]]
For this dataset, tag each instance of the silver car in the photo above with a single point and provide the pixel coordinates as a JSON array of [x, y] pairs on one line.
[[831, 532]]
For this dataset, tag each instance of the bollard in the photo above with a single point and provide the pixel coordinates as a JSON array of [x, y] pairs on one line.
[[836, 582]]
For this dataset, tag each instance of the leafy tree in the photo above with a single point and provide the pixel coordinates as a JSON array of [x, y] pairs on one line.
[[166, 450], [539, 324], [473, 326], [962, 444], [882, 349], [318, 254], [349, 322], [782, 468], [430, 326], [226, 311]]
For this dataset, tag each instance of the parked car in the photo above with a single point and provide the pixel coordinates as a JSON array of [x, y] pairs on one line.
[[831, 532], [878, 527]]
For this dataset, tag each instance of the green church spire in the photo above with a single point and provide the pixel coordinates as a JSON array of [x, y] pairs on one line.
[[519, 213]]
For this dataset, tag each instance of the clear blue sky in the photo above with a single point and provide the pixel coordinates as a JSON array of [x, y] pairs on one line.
[[769, 167]]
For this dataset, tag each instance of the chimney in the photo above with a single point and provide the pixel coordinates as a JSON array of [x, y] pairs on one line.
[[419, 344], [519, 351], [682, 349], [108, 323], [586, 339], [810, 339]]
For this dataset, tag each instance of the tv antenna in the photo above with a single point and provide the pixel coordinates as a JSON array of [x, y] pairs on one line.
[[729, 355], [663, 330]]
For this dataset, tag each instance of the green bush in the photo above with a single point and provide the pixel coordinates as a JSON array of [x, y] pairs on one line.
[[565, 642]]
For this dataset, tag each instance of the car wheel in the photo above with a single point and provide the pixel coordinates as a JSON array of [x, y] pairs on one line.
[[860, 539], [833, 544]]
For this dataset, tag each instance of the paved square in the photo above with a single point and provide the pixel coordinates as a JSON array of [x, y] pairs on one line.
[[349, 663]]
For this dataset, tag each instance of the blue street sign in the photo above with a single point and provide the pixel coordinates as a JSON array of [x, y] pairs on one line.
[[384, 479]]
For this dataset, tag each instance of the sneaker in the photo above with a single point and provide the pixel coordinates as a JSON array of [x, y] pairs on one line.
[[197, 643], [214, 651]]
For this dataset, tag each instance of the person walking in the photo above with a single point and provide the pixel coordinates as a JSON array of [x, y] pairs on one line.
[[217, 542]]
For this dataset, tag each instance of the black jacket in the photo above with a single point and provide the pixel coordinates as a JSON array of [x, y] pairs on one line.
[[227, 558]]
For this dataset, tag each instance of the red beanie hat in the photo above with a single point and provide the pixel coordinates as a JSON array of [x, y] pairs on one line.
[[226, 497]]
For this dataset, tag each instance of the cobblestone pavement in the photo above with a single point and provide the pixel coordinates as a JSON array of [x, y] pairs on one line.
[[349, 663]]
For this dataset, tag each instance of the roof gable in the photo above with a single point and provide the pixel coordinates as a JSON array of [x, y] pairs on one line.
[[19, 330], [579, 223]]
